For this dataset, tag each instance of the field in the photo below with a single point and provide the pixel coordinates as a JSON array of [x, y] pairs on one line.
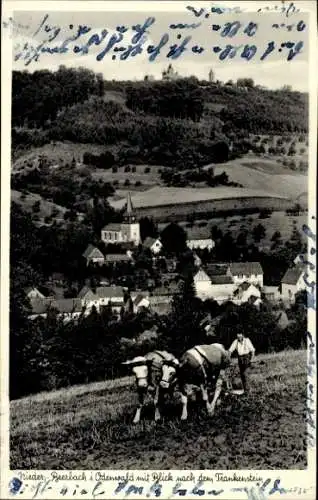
[[89, 427]]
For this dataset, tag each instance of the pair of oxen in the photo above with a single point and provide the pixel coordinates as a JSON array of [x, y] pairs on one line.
[[159, 373]]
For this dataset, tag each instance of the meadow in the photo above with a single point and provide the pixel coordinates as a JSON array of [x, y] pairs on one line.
[[90, 426]]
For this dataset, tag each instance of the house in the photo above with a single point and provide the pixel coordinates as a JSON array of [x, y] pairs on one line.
[[251, 272], [126, 231], [271, 293], [219, 287], [293, 282], [117, 258], [140, 302], [102, 296], [201, 244], [160, 298], [34, 293], [246, 292], [154, 245], [67, 309], [93, 255]]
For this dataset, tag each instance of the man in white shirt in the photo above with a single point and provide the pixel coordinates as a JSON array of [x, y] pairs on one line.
[[245, 353]]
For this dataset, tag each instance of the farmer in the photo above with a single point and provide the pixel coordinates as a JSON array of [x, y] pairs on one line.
[[245, 353]]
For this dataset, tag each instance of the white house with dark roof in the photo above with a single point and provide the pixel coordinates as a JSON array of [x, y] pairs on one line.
[[93, 255], [251, 272], [246, 292], [123, 232], [154, 245], [219, 287], [293, 282], [102, 296]]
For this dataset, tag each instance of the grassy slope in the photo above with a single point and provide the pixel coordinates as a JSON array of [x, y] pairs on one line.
[[89, 427], [278, 221], [28, 201]]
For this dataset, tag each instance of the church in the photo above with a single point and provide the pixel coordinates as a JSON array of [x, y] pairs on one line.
[[123, 232]]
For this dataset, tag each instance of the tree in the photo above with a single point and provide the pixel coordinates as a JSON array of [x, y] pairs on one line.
[[36, 207], [147, 228], [245, 82], [259, 232], [184, 321], [174, 238]]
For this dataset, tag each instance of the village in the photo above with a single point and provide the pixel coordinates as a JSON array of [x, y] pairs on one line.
[[236, 282]]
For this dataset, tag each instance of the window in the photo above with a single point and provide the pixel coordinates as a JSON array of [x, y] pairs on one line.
[[115, 236]]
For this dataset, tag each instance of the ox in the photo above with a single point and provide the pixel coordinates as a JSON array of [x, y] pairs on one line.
[[199, 366], [149, 378]]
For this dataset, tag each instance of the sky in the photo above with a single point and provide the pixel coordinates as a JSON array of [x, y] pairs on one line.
[[275, 72]]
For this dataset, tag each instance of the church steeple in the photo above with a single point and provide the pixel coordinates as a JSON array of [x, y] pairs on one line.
[[129, 215]]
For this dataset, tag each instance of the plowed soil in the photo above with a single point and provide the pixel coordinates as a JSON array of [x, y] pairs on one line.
[[91, 427]]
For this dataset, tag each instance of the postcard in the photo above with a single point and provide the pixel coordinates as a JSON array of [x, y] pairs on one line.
[[158, 256]]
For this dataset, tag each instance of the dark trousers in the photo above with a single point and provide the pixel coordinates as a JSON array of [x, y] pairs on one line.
[[244, 362]]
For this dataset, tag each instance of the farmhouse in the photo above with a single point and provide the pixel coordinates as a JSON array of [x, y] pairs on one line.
[[271, 293], [217, 287], [246, 292], [102, 296], [93, 255], [250, 272], [293, 282], [127, 231], [67, 309], [154, 245]]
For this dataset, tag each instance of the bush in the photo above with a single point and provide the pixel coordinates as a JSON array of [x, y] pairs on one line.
[[138, 183], [127, 182]]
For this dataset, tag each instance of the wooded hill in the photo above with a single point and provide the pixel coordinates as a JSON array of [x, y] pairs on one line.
[[194, 120]]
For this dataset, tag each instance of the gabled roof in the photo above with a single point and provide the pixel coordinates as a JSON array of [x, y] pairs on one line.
[[222, 280], [84, 291], [217, 269], [41, 306], [292, 275], [201, 275], [104, 292], [113, 226], [149, 241], [69, 305], [139, 299], [245, 268], [93, 252], [165, 291]]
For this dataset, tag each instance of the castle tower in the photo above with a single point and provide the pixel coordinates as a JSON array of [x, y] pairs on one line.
[[130, 228], [211, 76]]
